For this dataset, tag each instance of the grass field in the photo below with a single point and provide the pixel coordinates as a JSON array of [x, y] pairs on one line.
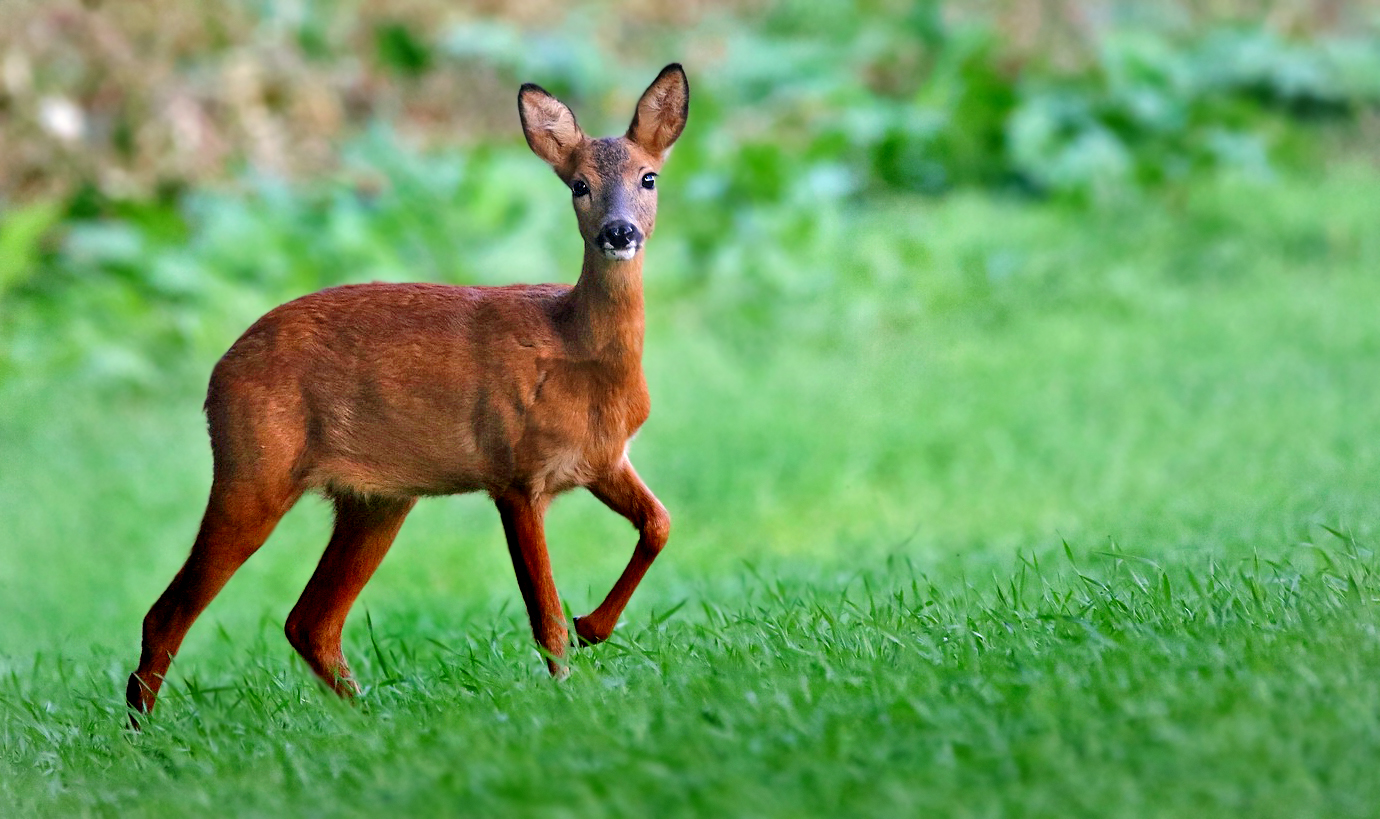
[[1009, 510]]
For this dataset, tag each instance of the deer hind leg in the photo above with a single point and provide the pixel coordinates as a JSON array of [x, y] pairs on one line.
[[364, 530], [523, 526], [239, 518], [625, 493]]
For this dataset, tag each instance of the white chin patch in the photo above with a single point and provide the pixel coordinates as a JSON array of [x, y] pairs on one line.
[[622, 254]]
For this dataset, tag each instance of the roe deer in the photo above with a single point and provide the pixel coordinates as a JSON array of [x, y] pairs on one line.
[[376, 394]]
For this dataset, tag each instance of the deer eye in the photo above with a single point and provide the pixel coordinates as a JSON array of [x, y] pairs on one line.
[[579, 188], [649, 180]]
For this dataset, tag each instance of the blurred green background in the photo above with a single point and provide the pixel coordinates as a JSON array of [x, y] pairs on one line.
[[958, 284], [943, 279], [949, 280]]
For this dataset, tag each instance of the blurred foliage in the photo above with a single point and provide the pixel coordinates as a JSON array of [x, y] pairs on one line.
[[158, 198], [134, 98]]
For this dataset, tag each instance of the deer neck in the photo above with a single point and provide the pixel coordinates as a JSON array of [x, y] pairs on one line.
[[607, 309]]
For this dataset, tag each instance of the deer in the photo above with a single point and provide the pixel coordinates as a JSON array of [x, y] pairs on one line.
[[375, 395]]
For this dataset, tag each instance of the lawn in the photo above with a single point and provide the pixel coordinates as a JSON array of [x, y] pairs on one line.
[[999, 508]]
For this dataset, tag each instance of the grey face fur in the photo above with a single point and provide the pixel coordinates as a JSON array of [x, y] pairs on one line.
[[619, 212]]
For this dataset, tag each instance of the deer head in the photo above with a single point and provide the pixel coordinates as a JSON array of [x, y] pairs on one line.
[[612, 180]]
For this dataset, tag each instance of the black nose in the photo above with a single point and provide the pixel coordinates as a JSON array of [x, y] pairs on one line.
[[618, 235]]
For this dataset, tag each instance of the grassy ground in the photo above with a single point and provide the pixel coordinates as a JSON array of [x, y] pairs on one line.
[[1022, 514]]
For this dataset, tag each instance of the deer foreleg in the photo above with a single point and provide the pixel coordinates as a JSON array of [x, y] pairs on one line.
[[625, 493], [523, 526]]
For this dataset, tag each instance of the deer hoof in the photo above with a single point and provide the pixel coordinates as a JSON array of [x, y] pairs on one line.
[[587, 633]]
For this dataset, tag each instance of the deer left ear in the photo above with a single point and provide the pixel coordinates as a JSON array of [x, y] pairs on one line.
[[662, 111], [550, 128]]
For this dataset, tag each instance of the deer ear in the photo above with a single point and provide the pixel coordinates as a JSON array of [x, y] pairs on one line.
[[662, 111], [550, 128]]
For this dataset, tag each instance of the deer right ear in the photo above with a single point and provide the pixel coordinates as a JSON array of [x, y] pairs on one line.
[[662, 111], [549, 126]]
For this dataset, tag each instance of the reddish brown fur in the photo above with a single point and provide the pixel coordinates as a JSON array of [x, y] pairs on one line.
[[377, 394]]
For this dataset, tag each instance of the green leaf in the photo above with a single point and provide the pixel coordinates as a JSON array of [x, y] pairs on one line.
[[22, 230]]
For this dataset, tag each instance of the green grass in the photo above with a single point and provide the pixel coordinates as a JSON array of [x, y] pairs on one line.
[[1122, 689], [989, 509]]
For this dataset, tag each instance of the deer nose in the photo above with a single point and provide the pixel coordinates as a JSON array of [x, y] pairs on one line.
[[618, 235]]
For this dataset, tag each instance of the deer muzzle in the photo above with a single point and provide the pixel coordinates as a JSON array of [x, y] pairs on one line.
[[619, 240]]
